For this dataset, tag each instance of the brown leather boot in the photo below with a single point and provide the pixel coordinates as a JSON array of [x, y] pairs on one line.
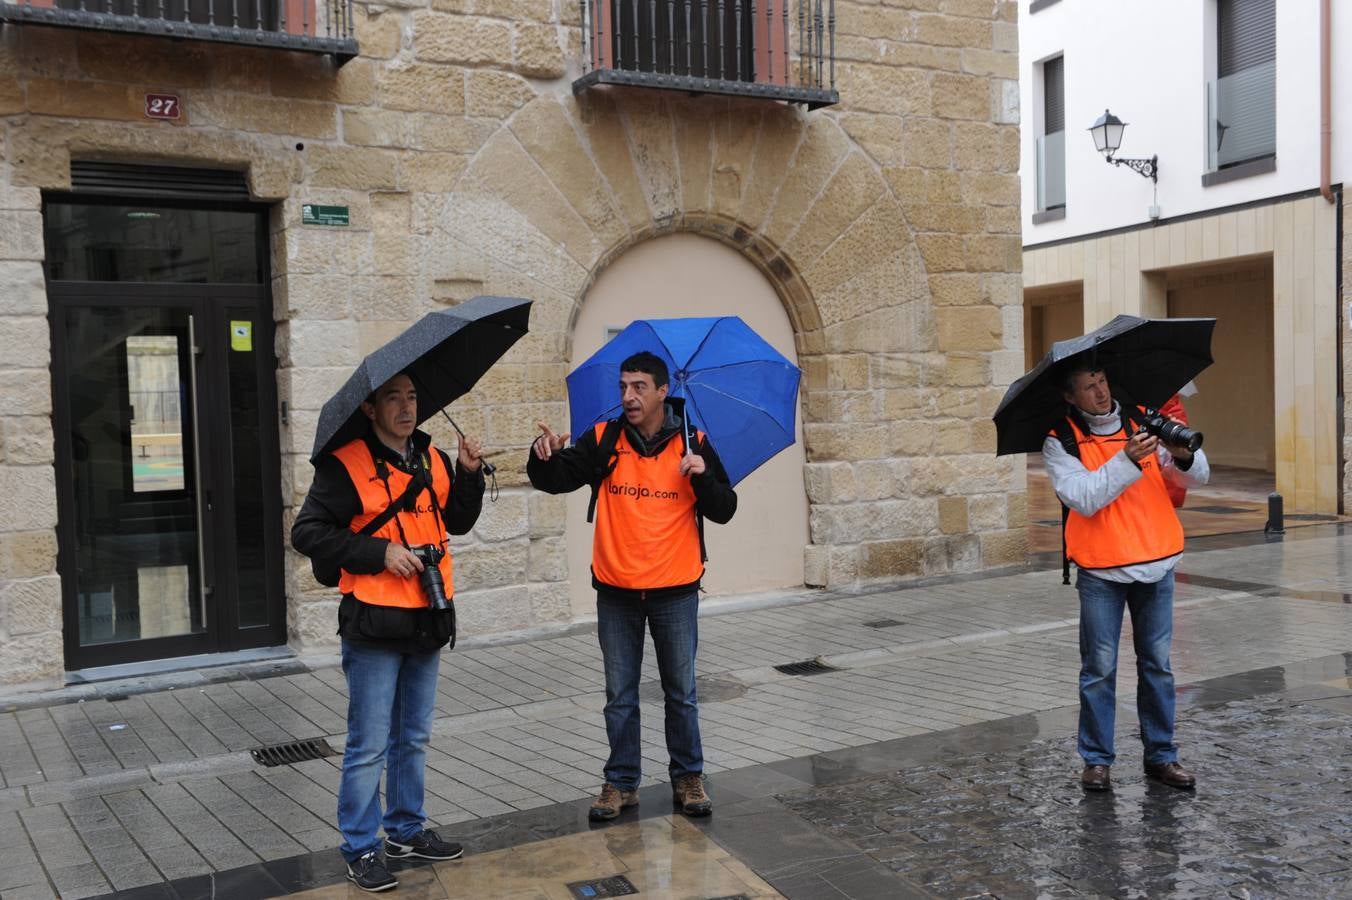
[[1172, 774], [688, 793], [1096, 778], [610, 802]]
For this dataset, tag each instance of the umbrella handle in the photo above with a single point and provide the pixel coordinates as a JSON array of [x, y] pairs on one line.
[[487, 466]]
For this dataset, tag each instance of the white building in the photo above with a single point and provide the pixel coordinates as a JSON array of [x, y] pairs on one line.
[[1246, 107]]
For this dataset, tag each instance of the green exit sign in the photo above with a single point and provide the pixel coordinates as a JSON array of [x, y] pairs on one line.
[[310, 214]]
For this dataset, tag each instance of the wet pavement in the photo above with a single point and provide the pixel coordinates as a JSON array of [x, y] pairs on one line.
[[933, 756], [1271, 816]]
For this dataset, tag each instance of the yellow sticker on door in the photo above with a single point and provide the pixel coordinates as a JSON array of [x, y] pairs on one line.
[[241, 335]]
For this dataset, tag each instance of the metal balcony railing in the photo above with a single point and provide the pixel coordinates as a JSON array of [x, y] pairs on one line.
[[776, 49], [314, 26]]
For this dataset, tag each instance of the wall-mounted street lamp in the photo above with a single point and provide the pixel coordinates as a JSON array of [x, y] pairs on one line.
[[1107, 132]]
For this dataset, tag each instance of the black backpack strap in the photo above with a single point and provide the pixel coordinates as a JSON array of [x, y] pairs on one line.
[[1066, 435], [415, 485], [608, 457], [1132, 416]]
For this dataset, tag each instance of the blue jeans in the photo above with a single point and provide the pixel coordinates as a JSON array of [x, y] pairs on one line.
[[620, 622], [391, 698], [1152, 627]]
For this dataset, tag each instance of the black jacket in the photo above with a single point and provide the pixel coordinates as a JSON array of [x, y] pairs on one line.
[[577, 466], [322, 530]]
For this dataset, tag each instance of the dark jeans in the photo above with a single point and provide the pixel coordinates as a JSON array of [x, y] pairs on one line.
[[620, 625], [1152, 629]]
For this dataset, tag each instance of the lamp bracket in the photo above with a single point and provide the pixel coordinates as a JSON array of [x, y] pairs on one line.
[[1148, 168]]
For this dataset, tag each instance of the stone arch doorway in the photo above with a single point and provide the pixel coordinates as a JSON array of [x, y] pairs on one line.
[[685, 274]]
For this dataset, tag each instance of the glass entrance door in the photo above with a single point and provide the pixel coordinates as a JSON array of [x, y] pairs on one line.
[[135, 556], [170, 513], [165, 416], [136, 545]]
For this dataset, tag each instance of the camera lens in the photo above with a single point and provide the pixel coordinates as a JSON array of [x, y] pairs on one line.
[[433, 585], [1176, 433]]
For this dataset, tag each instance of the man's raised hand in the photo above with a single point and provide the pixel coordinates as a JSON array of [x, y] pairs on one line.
[[548, 443]]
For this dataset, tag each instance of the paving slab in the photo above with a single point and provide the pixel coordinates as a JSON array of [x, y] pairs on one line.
[[519, 730]]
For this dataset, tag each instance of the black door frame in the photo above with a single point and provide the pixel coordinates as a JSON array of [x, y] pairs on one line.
[[208, 303]]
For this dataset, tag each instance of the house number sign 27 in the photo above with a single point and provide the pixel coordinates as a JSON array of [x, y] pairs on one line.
[[162, 106]]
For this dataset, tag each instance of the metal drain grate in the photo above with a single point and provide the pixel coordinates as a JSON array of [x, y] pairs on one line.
[[294, 752], [612, 886], [883, 623], [806, 667]]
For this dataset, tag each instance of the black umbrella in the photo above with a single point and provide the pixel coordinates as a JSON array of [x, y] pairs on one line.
[[445, 353], [1146, 361]]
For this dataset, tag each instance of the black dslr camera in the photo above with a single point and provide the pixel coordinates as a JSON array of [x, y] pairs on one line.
[[1171, 432], [433, 585]]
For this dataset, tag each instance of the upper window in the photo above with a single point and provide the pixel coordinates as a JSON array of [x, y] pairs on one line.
[[311, 26], [1051, 139], [776, 49], [1242, 99], [123, 242]]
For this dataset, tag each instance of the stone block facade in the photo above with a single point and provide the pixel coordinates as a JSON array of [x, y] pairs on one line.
[[1345, 279], [887, 224]]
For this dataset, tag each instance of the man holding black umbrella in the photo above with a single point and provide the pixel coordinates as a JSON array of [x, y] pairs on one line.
[[655, 479], [1125, 539], [395, 614]]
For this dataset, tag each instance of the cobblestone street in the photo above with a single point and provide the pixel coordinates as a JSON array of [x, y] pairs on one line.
[[1271, 815]]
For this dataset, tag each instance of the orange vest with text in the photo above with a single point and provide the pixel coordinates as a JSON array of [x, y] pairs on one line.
[[646, 533], [1140, 526], [422, 525]]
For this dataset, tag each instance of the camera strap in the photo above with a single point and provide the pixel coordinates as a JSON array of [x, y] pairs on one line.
[[421, 479]]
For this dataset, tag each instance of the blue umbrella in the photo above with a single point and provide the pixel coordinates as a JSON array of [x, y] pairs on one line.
[[737, 388]]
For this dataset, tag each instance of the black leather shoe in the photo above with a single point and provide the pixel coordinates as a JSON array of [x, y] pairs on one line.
[[1172, 774], [1096, 778]]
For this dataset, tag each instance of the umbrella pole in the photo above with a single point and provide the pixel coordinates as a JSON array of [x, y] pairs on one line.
[[488, 467], [685, 416]]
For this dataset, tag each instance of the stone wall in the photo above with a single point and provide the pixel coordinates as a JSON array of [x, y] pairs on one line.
[[1345, 339], [30, 591], [888, 225]]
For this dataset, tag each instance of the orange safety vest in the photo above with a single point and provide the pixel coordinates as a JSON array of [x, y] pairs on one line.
[[422, 524], [1140, 526], [646, 535]]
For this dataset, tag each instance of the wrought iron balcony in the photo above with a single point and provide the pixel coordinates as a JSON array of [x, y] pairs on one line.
[[776, 49], [314, 26]]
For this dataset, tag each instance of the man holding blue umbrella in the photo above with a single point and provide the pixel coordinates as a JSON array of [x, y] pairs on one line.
[[655, 479]]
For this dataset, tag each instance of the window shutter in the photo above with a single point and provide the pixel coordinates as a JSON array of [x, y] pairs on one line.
[[1053, 96], [168, 182], [1247, 35]]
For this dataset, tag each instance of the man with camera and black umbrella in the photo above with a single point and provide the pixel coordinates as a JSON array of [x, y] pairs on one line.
[[1109, 465], [379, 511]]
